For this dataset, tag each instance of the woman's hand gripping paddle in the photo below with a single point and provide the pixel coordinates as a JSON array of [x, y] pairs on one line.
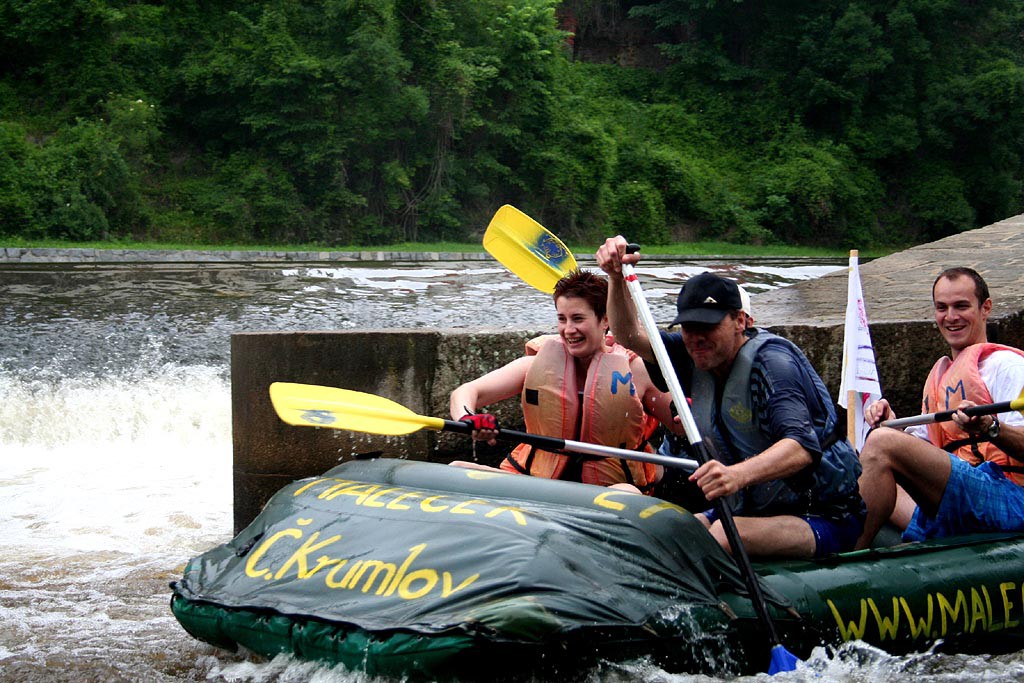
[[310, 405]]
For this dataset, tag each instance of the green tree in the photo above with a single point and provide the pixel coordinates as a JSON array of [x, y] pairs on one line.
[[921, 92], [375, 121]]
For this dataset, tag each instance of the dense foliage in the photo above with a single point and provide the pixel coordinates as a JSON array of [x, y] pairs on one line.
[[852, 123]]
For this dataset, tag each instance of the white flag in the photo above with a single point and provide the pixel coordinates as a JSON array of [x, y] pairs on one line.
[[860, 376]]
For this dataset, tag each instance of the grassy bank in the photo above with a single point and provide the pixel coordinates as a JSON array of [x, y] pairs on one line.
[[679, 249]]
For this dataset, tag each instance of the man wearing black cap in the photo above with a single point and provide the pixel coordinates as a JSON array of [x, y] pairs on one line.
[[791, 478]]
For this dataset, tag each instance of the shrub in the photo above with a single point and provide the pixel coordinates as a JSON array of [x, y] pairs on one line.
[[18, 180]]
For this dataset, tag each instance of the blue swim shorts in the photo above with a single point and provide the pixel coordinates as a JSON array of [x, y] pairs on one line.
[[835, 536], [976, 499]]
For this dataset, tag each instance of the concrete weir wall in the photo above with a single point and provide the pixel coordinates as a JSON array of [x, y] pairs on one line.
[[419, 368]]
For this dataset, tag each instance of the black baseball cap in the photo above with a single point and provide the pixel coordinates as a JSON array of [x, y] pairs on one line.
[[706, 299]]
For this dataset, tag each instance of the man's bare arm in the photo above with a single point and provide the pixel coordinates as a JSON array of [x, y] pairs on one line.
[[622, 314]]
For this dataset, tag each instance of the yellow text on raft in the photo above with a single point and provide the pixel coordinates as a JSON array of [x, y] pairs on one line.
[[389, 578], [969, 610]]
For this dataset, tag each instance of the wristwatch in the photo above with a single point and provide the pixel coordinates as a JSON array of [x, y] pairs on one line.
[[993, 429]]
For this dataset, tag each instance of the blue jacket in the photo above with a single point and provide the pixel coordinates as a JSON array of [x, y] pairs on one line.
[[772, 393]]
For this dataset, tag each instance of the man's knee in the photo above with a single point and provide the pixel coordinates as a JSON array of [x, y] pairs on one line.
[[882, 445]]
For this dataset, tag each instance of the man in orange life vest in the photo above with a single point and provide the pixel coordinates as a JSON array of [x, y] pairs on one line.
[[961, 476]]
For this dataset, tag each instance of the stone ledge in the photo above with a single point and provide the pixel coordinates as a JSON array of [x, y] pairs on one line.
[[84, 255]]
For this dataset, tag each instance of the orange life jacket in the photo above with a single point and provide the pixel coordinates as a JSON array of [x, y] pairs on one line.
[[609, 413], [951, 382]]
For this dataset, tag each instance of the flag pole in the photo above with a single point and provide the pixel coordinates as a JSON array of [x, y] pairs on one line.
[[851, 394], [859, 382]]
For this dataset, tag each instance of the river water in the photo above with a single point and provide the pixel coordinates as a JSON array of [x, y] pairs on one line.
[[115, 449]]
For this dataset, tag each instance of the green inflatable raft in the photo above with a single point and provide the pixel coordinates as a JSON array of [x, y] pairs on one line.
[[421, 570]]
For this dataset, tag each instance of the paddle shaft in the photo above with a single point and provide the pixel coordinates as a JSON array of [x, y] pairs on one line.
[[550, 443], [947, 415], [310, 405], [732, 534]]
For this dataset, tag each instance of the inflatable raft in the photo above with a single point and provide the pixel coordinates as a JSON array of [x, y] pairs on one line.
[[416, 569]]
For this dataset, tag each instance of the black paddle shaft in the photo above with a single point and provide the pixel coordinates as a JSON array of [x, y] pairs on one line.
[[740, 556], [947, 415]]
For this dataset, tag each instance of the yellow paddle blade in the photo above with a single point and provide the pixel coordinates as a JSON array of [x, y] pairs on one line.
[[527, 249], [1018, 403], [310, 405]]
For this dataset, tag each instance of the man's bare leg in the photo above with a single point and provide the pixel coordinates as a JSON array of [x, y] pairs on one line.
[[890, 457], [904, 509], [782, 536]]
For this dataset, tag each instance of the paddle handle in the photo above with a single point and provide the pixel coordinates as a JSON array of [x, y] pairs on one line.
[[947, 415], [551, 443]]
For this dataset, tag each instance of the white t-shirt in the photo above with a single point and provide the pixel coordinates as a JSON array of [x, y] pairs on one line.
[[1003, 374]]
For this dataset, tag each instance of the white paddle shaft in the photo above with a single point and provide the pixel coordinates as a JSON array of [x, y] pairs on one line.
[[661, 354]]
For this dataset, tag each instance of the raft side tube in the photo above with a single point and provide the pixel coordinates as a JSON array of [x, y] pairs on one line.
[[966, 592]]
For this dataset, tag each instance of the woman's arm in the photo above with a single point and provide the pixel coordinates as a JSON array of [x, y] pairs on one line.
[[497, 385]]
